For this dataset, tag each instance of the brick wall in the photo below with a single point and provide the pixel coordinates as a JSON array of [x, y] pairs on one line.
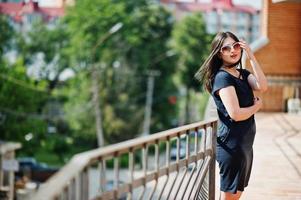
[[282, 55]]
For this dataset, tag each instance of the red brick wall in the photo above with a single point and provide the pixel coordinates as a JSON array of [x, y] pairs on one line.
[[282, 55]]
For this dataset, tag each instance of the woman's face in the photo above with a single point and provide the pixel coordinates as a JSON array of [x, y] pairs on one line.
[[230, 51]]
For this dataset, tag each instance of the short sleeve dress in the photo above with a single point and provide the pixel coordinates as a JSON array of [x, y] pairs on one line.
[[234, 151]]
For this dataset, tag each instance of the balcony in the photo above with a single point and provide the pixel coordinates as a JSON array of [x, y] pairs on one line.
[[152, 172]]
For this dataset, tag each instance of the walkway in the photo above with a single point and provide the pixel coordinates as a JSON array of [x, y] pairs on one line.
[[277, 158], [276, 171]]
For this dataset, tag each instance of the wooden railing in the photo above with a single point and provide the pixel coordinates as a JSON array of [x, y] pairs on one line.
[[7, 165], [175, 164]]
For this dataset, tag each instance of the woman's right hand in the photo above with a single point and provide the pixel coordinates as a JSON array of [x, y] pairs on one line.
[[258, 102]]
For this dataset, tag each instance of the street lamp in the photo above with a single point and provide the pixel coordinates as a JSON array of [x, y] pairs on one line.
[[95, 87], [101, 39]]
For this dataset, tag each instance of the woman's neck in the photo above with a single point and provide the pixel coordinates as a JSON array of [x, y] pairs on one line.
[[230, 69]]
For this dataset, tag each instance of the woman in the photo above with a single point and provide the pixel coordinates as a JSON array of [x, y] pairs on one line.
[[232, 90]]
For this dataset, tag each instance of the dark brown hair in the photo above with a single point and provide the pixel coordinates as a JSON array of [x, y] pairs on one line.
[[213, 63]]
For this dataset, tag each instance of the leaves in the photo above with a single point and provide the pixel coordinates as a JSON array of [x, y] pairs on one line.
[[191, 42], [6, 34], [147, 41]]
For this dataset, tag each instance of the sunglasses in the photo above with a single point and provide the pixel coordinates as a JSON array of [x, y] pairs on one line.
[[226, 50]]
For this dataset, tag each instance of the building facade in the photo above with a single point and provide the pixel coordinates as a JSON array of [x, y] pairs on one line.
[[279, 52], [23, 14], [220, 15]]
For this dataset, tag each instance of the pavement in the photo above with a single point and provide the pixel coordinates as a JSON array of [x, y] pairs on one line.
[[276, 173]]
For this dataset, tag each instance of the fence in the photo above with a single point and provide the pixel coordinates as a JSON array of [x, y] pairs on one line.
[[175, 164]]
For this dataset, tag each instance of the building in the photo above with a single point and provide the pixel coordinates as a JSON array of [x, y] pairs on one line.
[[279, 52], [51, 3], [221, 15], [57, 3], [23, 14]]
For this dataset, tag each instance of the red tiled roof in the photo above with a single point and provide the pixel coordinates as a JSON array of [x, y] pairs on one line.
[[53, 12], [10, 8], [17, 10], [214, 5]]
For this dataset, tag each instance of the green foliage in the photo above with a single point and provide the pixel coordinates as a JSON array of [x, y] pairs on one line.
[[6, 34], [22, 101], [89, 22], [202, 99], [123, 60], [148, 37], [78, 108], [139, 46], [192, 43], [50, 42], [21, 98]]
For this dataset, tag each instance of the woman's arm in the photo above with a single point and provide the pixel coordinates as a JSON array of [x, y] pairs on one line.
[[258, 81], [230, 101]]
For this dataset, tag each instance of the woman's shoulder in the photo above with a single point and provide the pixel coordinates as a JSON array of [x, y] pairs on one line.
[[222, 74], [222, 79]]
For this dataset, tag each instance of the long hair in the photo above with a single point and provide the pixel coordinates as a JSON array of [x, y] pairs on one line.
[[213, 63]]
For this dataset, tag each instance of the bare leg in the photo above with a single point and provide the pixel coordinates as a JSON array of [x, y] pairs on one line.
[[230, 196]]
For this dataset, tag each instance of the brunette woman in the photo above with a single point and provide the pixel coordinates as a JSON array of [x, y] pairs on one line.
[[232, 88]]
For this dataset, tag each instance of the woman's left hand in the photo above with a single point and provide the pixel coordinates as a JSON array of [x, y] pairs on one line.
[[246, 47]]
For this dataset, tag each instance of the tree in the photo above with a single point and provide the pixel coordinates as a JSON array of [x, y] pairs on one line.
[[93, 42], [47, 45], [23, 109], [6, 34], [152, 26], [123, 61], [21, 100], [191, 42], [45, 52]]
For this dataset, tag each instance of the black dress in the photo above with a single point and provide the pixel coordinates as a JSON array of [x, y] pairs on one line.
[[234, 151]]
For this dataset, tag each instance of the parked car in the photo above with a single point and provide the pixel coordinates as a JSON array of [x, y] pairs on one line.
[[110, 186], [182, 152], [35, 171]]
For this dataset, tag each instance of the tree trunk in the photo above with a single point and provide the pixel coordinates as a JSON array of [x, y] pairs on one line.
[[98, 119], [187, 111]]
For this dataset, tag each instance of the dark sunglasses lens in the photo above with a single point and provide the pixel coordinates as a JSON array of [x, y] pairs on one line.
[[226, 49], [236, 46]]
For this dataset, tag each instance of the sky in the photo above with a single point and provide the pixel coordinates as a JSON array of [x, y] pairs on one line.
[[254, 3]]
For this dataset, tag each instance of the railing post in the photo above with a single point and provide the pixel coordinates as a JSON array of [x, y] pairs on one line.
[[7, 154], [131, 170], [11, 175], [212, 164], [1, 171]]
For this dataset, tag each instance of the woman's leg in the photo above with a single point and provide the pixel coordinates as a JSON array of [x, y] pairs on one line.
[[230, 196]]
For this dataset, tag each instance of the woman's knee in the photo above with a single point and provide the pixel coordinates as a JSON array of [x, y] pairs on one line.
[[230, 196]]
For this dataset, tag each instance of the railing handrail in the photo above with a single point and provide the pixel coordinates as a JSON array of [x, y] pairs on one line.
[[8, 146], [56, 184]]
